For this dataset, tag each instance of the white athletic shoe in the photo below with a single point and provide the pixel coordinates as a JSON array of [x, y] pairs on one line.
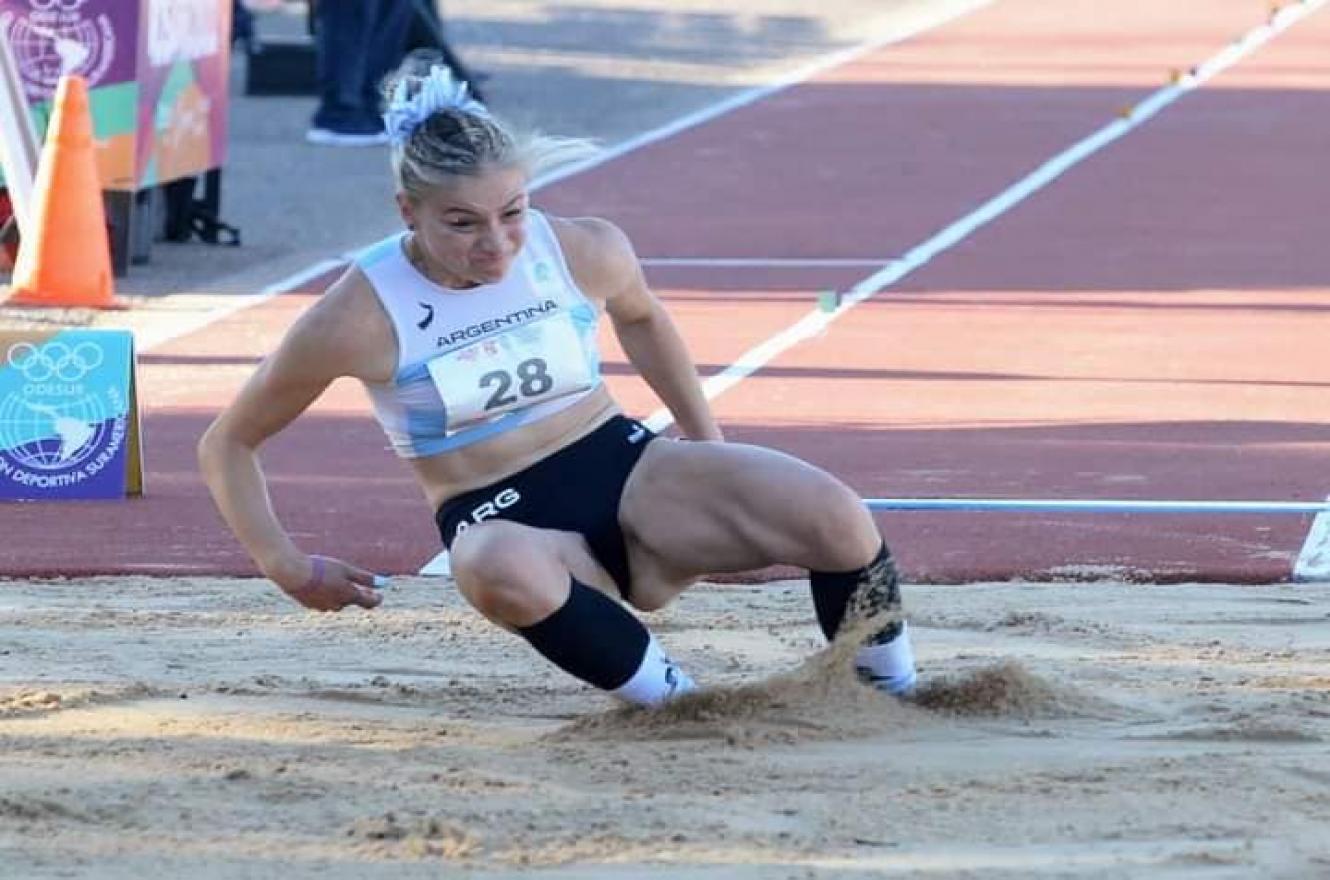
[[329, 138]]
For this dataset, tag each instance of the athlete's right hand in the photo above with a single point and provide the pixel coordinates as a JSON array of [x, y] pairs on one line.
[[331, 585]]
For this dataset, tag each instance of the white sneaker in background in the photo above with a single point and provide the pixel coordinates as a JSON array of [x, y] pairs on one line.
[[329, 138]]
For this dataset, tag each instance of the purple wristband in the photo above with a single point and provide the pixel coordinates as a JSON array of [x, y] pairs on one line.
[[315, 576]]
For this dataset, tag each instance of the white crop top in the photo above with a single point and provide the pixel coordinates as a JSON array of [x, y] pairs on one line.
[[472, 364]]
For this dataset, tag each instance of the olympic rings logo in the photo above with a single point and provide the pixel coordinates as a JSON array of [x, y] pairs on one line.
[[56, 5], [55, 360]]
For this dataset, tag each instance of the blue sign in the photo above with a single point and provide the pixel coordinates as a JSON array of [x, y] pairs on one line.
[[69, 424]]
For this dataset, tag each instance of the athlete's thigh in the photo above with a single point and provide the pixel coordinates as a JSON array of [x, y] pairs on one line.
[[702, 508], [504, 548]]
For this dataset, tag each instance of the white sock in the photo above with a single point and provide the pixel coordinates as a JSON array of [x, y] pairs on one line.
[[889, 667], [657, 681]]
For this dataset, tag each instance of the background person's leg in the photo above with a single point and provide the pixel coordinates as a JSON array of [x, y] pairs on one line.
[[242, 27], [341, 41], [385, 48], [426, 31]]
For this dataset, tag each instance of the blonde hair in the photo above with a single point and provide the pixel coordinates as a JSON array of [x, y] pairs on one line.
[[438, 131]]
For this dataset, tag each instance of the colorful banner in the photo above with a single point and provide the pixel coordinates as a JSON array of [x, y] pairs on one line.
[[157, 73], [93, 38], [69, 420], [183, 71]]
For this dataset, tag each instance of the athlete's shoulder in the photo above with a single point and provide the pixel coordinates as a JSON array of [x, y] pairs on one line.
[[344, 328], [345, 303], [588, 232], [599, 253]]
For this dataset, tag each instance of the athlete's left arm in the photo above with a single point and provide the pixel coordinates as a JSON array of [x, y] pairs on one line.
[[645, 330]]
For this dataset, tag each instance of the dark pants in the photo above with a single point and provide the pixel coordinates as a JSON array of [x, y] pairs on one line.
[[358, 42], [242, 25], [426, 32]]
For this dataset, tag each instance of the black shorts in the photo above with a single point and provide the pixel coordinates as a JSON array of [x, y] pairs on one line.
[[577, 489]]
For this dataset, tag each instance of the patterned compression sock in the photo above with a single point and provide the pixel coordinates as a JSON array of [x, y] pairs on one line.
[[861, 592], [594, 638], [887, 659]]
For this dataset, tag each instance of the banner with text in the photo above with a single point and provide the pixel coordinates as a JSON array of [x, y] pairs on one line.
[[157, 74]]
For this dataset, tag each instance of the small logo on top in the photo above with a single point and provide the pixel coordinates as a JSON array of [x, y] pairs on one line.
[[429, 316]]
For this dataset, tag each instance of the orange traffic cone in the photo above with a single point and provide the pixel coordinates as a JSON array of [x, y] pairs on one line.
[[65, 258]]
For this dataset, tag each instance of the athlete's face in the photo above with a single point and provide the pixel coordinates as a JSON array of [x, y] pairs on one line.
[[469, 230]]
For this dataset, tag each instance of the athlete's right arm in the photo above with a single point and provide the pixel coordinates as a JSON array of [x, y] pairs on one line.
[[320, 347]]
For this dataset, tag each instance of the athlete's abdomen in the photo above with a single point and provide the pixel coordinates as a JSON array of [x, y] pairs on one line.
[[452, 473]]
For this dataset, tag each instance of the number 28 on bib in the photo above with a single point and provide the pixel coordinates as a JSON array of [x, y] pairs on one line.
[[537, 362]]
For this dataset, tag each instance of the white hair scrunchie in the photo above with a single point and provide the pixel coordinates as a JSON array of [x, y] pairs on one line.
[[438, 91]]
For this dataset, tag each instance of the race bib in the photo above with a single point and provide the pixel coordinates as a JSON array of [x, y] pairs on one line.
[[539, 361]]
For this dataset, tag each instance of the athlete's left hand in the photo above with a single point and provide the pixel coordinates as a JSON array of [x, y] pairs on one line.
[[332, 585]]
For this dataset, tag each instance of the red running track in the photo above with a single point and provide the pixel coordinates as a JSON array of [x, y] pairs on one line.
[[1148, 326]]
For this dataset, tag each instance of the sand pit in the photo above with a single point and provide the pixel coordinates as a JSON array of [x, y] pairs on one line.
[[209, 729]]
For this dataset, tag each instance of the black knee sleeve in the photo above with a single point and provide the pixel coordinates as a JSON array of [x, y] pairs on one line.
[[873, 588], [591, 637]]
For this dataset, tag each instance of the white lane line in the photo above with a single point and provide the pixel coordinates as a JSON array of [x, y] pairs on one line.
[[926, 21], [1313, 562], [817, 321], [1102, 505], [146, 340], [763, 262]]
